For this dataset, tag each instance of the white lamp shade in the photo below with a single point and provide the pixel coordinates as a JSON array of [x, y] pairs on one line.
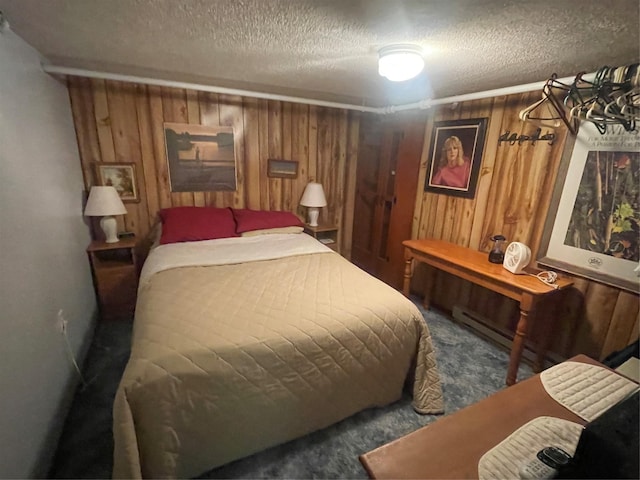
[[313, 196], [104, 201], [400, 62]]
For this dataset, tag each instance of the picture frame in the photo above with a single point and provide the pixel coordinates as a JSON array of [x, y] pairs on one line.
[[591, 228], [277, 168], [200, 158], [120, 175], [457, 176]]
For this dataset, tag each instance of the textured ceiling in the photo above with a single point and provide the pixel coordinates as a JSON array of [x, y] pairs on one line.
[[327, 49]]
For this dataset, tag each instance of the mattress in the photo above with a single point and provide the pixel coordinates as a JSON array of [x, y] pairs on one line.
[[244, 343]]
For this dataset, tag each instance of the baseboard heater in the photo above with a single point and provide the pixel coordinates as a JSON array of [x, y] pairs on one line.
[[482, 326]]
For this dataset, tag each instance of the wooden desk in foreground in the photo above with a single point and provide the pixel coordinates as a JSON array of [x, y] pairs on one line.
[[475, 267], [451, 447]]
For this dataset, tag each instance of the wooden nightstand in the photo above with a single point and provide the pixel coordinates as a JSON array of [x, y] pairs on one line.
[[327, 234], [115, 277]]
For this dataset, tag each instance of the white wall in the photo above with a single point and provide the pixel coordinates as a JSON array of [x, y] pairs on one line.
[[43, 264]]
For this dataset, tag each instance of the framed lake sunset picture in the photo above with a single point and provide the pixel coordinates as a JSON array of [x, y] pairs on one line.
[[200, 158]]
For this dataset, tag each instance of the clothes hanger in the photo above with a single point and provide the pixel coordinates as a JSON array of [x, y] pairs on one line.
[[550, 88], [625, 106], [527, 114], [580, 92], [627, 103], [612, 105], [612, 98], [586, 112], [589, 100], [595, 112], [556, 111]]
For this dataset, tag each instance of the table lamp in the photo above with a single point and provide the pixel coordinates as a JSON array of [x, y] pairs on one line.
[[313, 198], [105, 202]]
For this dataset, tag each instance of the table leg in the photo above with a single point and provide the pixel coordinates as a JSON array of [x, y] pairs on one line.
[[546, 330], [526, 307], [543, 345], [428, 286], [408, 272]]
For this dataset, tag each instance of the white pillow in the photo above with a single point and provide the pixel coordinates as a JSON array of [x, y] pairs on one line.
[[266, 231]]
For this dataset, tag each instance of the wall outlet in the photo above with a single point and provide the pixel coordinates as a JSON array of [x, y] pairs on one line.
[[62, 322]]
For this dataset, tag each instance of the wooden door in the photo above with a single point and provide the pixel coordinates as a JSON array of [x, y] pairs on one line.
[[386, 181]]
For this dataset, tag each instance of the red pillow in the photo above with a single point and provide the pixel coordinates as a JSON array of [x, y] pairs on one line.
[[188, 224], [247, 220]]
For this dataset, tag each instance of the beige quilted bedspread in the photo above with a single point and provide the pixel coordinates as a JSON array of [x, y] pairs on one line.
[[230, 359]]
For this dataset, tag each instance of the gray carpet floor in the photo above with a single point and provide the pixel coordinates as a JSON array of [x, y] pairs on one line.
[[470, 367]]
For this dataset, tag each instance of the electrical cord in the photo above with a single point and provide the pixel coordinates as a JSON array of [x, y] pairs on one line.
[[71, 355], [547, 277]]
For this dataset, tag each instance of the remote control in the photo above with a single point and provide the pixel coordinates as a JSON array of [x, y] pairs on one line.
[[545, 464]]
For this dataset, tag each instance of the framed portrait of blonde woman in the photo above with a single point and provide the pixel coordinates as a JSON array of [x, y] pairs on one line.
[[455, 156]]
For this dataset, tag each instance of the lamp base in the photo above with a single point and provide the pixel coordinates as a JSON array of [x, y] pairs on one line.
[[313, 213], [110, 228]]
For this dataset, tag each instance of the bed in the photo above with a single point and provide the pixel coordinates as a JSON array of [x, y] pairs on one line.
[[243, 343]]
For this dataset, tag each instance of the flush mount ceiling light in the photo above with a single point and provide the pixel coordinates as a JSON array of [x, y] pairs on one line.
[[400, 62]]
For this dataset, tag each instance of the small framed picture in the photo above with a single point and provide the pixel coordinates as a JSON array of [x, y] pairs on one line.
[[455, 157], [282, 168], [121, 176]]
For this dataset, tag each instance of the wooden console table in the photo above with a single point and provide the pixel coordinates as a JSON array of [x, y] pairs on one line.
[[452, 446], [475, 267]]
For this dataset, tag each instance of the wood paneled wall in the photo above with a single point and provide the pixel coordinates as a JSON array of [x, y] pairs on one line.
[[512, 198], [123, 122]]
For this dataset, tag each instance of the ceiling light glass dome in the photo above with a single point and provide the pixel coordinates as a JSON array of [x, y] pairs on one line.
[[400, 62]]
